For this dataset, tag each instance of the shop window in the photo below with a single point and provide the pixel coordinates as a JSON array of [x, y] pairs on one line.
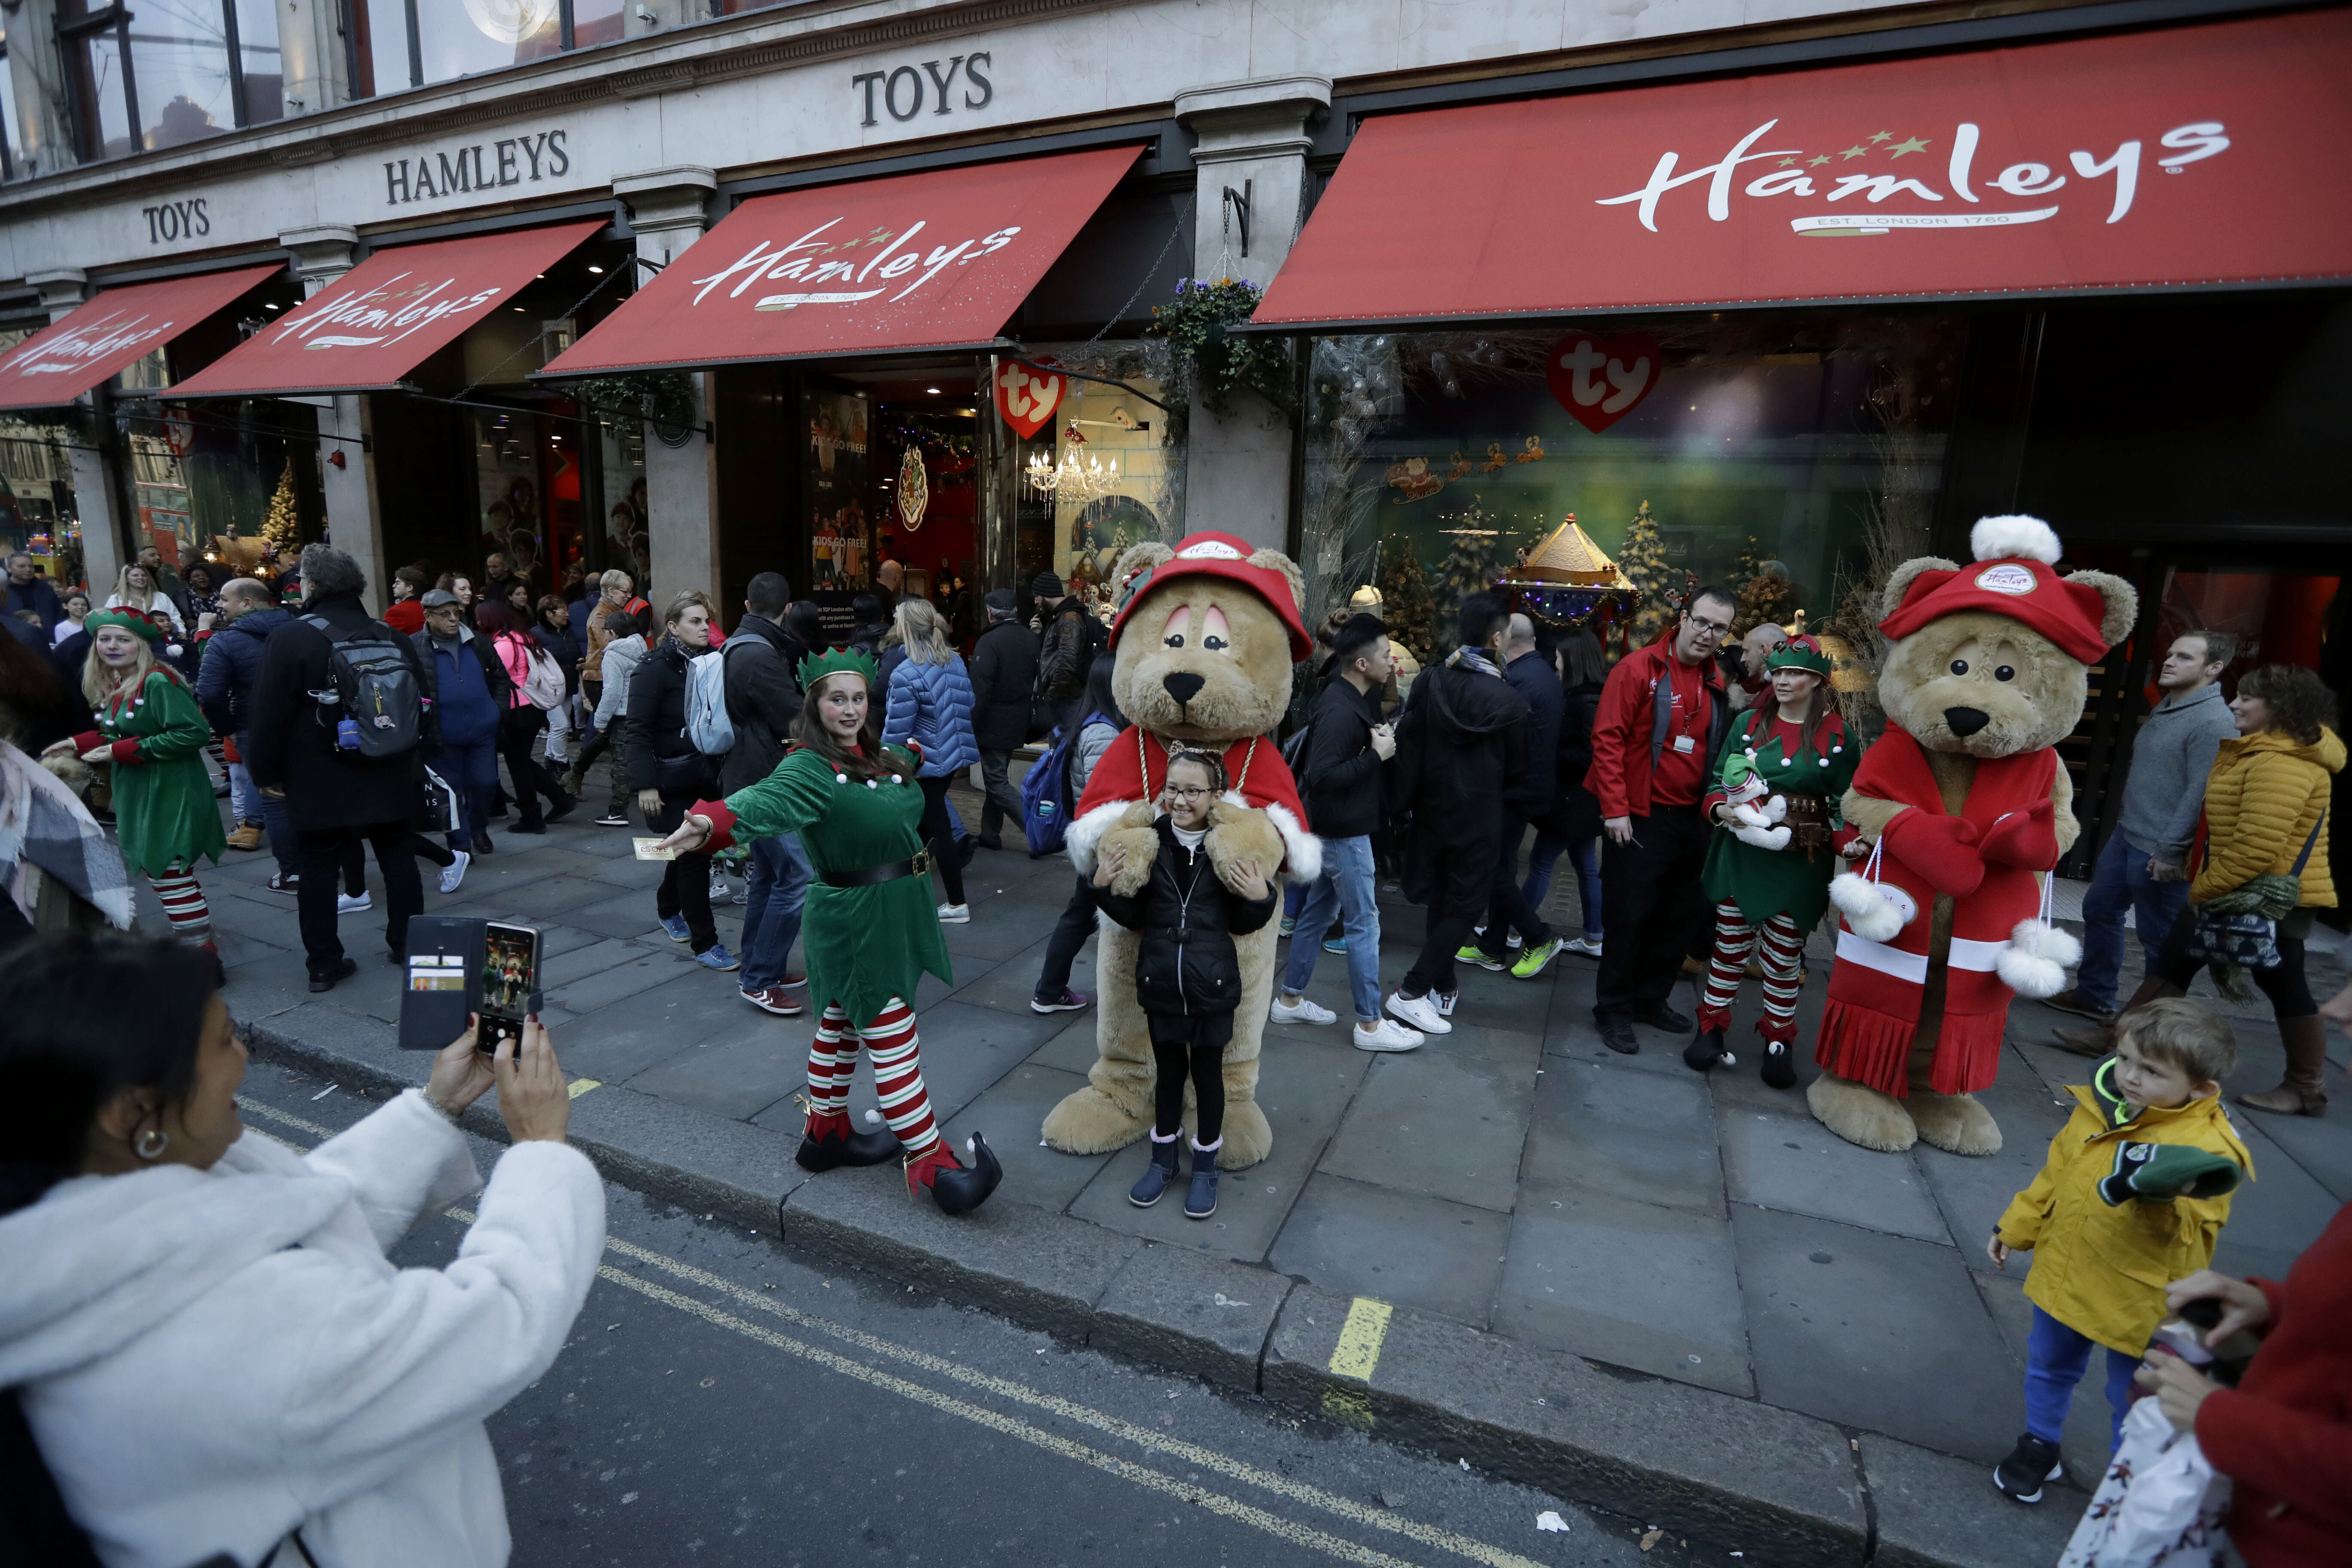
[[1437, 461], [1104, 474], [169, 72], [211, 481], [466, 37], [36, 497], [10, 159]]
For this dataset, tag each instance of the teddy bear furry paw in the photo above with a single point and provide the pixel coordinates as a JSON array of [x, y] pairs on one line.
[[1089, 1122], [1249, 1137], [1241, 833], [1955, 1123], [1142, 845], [1861, 1115]]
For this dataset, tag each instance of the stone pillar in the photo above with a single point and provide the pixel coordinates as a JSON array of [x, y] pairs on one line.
[[101, 502], [1250, 138], [670, 209], [322, 254]]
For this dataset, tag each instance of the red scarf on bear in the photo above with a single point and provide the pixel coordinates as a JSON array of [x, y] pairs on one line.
[[1876, 989]]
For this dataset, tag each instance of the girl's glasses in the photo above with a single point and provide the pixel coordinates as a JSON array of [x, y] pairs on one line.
[[1178, 792]]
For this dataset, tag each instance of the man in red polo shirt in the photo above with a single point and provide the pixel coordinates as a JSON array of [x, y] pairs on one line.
[[1662, 720]]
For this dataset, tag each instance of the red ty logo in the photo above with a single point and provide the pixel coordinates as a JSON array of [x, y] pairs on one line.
[[1599, 380], [1027, 398]]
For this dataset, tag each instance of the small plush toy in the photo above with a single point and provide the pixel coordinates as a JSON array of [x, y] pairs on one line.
[[1205, 637], [1751, 800], [1966, 810]]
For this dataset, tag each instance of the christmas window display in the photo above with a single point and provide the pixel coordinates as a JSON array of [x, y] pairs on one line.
[[214, 480], [37, 499], [1797, 454], [1106, 471]]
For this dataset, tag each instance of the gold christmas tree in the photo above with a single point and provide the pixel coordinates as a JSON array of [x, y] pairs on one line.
[[1642, 559], [280, 526], [1406, 609]]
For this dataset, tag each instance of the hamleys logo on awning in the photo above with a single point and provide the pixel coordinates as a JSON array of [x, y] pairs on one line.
[[401, 305], [101, 339], [831, 269], [1870, 171]]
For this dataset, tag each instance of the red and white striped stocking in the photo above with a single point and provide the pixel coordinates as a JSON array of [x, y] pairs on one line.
[[1779, 948], [896, 1050], [833, 1058], [183, 904]]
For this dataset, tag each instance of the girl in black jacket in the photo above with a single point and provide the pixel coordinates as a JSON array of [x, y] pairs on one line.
[[1188, 979]]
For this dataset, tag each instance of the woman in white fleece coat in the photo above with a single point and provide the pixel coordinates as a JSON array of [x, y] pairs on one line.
[[209, 1346]]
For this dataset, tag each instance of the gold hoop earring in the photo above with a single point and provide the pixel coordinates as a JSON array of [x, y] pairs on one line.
[[152, 1144]]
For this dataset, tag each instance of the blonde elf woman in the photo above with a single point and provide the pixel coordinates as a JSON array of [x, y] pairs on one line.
[[870, 929], [150, 731]]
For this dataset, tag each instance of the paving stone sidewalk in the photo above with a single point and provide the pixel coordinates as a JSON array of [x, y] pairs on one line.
[[1514, 1175]]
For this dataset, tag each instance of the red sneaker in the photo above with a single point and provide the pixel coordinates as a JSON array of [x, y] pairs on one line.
[[773, 1000]]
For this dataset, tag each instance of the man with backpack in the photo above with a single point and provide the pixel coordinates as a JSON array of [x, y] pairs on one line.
[[763, 698], [1070, 639], [338, 717], [1003, 674]]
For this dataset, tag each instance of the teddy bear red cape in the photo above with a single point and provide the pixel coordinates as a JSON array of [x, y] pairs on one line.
[[2003, 834], [1136, 767]]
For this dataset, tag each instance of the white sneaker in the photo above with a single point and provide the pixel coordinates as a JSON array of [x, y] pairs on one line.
[[1300, 1012], [454, 872], [955, 914], [1387, 1035], [1514, 942], [1582, 946], [1420, 1011], [351, 903], [717, 888]]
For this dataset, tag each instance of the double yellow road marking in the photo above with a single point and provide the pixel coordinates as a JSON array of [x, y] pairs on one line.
[[1360, 1343]]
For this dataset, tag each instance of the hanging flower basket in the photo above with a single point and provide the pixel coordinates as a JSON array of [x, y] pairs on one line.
[[1210, 362], [664, 397]]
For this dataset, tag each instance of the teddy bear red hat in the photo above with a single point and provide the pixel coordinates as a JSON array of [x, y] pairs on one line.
[[1212, 554], [2015, 574]]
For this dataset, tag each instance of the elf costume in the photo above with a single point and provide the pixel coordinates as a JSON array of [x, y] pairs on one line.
[[165, 814], [870, 931], [1768, 876]]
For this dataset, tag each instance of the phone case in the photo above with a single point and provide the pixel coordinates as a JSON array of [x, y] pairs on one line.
[[443, 979]]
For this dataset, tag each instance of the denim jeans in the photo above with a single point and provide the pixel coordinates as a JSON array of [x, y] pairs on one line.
[[278, 824], [473, 772], [2119, 882], [244, 800], [1584, 854], [1345, 884], [773, 895], [2056, 1359]]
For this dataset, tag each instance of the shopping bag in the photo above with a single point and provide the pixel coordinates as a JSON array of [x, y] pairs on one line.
[[2159, 1506]]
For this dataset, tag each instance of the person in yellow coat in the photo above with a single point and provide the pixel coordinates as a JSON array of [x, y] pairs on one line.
[[2132, 1196]]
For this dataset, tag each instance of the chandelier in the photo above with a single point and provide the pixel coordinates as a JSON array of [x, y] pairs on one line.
[[1074, 479]]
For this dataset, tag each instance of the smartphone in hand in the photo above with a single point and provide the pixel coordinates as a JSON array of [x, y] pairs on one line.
[[509, 980]]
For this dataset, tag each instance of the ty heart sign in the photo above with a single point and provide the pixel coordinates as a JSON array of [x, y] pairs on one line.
[[1027, 396], [1599, 380]]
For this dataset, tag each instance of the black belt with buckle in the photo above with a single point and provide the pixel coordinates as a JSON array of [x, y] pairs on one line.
[[870, 876]]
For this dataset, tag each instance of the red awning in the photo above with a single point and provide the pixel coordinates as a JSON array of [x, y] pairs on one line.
[[933, 260], [122, 325], [2191, 155], [384, 318]]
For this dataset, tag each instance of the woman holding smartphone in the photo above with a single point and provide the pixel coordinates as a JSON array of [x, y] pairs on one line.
[[870, 929]]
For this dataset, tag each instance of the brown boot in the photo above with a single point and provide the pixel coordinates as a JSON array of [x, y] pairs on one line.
[[2304, 1090], [2098, 1042]]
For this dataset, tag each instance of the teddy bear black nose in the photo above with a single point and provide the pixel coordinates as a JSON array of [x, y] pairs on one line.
[[1183, 685], [1966, 721]]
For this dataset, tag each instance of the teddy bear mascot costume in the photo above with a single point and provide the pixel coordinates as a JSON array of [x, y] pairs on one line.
[[1965, 809], [1203, 638]]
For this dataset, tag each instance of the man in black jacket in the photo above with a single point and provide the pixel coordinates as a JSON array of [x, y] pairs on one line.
[[1346, 748], [1462, 739], [333, 799], [1527, 796], [1003, 674], [1071, 639], [763, 698]]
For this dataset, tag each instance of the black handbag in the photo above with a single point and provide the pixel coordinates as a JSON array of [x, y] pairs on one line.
[[690, 774], [2238, 928]]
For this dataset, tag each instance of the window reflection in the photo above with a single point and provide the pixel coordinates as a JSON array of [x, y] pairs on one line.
[[265, 74], [380, 46], [461, 37]]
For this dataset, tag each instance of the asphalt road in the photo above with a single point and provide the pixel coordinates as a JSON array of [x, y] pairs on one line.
[[724, 1400]]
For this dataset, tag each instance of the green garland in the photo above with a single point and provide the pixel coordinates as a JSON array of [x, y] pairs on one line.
[[1207, 361], [664, 396]]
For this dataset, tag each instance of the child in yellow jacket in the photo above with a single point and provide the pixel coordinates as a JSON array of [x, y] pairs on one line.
[[2132, 1196]]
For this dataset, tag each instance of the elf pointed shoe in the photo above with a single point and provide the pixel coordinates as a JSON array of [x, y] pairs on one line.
[[829, 1143], [2304, 1090], [956, 1189], [1705, 1051]]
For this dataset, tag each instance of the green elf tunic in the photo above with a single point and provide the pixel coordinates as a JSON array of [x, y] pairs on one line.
[[863, 945], [164, 805], [1766, 882]]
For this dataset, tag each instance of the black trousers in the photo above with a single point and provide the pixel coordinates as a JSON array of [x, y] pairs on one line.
[[1466, 882], [1507, 910], [686, 881], [1193, 1044], [1652, 907], [2284, 983], [517, 729], [1070, 933], [939, 833], [325, 855]]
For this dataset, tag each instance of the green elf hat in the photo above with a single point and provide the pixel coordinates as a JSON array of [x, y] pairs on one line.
[[151, 627], [835, 661], [2159, 1172], [1799, 652]]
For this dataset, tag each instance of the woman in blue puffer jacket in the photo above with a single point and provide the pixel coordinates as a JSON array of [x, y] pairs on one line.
[[931, 704]]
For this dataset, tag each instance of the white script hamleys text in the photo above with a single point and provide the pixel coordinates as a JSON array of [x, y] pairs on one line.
[[93, 340], [386, 313], [894, 255]]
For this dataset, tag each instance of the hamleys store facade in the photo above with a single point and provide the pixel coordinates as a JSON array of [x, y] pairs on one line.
[[1760, 284]]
